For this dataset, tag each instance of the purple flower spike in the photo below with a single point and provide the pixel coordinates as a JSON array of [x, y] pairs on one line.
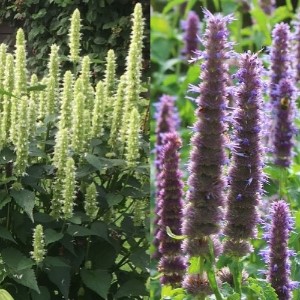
[[246, 175], [268, 6], [280, 58], [205, 198], [277, 256], [171, 264], [166, 121], [297, 45], [284, 128], [191, 30]]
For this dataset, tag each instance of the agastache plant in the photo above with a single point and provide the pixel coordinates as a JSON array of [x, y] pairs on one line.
[[74, 37], [277, 255], [133, 71], [166, 122], [191, 27], [245, 174], [284, 127], [39, 252], [280, 58], [205, 197], [169, 209]]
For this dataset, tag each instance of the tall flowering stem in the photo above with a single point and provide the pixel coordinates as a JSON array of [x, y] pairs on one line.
[[191, 29], [280, 59], [245, 175], [74, 37], [284, 128], [277, 255], [171, 264], [205, 197], [167, 120]]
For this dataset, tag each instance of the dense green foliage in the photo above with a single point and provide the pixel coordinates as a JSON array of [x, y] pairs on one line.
[[107, 26], [172, 75], [72, 194]]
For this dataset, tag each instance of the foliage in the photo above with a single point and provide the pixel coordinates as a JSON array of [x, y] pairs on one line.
[[107, 26], [172, 75], [72, 206]]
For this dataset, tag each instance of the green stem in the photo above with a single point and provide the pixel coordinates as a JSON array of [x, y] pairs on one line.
[[213, 282], [237, 275]]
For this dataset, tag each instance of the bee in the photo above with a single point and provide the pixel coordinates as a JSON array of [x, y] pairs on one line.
[[284, 103]]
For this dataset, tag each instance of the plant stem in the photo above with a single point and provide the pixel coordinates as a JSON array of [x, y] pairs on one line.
[[213, 282], [237, 275]]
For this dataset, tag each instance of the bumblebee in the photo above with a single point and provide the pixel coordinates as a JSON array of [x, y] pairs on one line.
[[284, 103]]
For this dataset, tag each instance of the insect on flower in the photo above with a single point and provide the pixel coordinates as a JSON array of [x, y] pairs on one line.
[[284, 103]]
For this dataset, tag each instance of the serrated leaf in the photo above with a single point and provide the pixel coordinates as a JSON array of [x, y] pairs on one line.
[[100, 229], [4, 198], [113, 199], [27, 278], [26, 200], [44, 294], [98, 281], [131, 288], [5, 234], [61, 277], [53, 261], [15, 260], [262, 289], [76, 230], [52, 236], [102, 162]]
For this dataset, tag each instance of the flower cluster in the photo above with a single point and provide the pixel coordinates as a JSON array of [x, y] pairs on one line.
[[39, 252], [245, 175], [277, 254], [169, 210], [191, 30], [205, 197]]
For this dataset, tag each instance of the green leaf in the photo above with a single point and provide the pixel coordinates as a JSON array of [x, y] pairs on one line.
[[171, 5], [4, 198], [54, 261], [174, 236], [5, 234], [27, 278], [26, 200], [15, 260], [5, 295], [113, 199], [61, 277], [102, 162], [52, 236], [100, 228], [131, 288], [44, 294], [262, 288], [36, 88], [98, 281], [6, 93], [76, 230]]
